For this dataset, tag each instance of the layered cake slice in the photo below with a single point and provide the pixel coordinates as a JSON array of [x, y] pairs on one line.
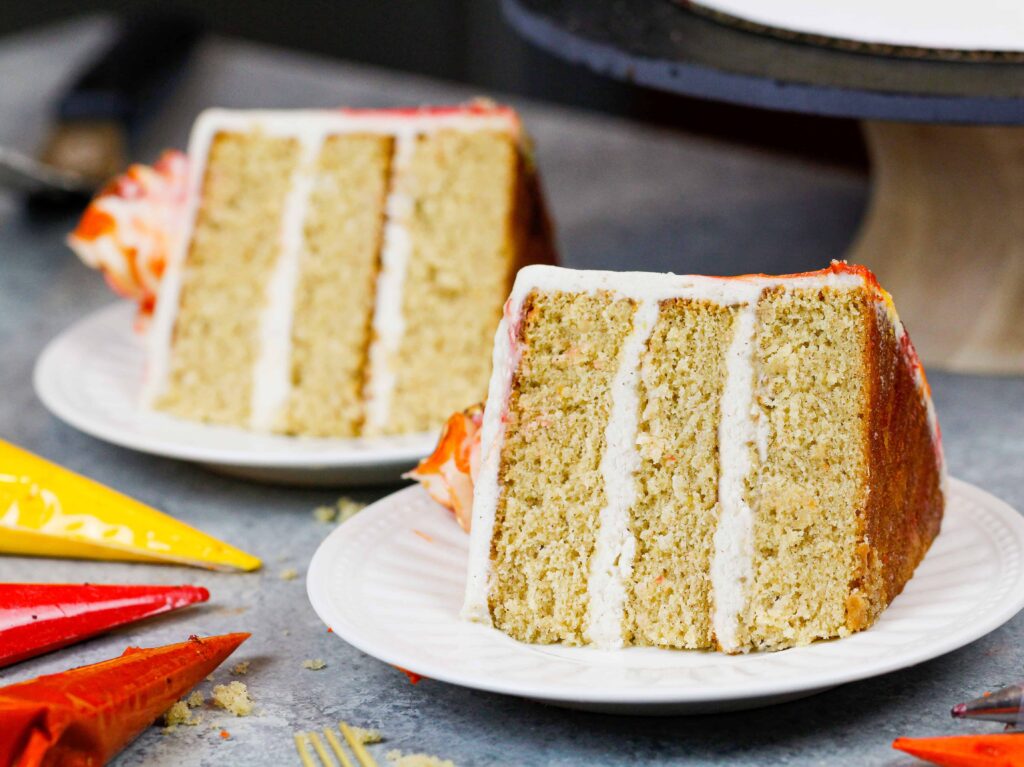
[[694, 462], [329, 263]]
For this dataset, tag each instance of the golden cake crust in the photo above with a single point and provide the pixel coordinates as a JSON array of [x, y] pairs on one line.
[[905, 502]]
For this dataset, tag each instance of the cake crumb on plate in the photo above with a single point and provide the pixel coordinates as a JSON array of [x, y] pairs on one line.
[[240, 669], [314, 664], [289, 574]]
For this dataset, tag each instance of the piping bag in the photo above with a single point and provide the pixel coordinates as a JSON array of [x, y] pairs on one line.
[[36, 618], [989, 750], [993, 750], [49, 511], [85, 716]]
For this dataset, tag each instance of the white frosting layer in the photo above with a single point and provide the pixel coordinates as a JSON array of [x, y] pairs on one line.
[[271, 379], [738, 431], [271, 374], [611, 565], [486, 488], [984, 25], [388, 322]]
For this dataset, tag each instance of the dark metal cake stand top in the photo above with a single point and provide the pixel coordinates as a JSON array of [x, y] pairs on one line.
[[659, 44]]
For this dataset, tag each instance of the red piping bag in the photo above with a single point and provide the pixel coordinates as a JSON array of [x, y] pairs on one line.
[[36, 618]]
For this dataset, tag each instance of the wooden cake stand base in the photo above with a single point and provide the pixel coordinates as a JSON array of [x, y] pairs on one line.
[[944, 232]]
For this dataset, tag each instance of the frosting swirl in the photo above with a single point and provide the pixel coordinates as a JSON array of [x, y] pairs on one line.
[[129, 229]]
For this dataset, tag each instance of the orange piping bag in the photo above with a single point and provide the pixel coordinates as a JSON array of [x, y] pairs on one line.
[[83, 717], [36, 618], [48, 511], [1000, 750]]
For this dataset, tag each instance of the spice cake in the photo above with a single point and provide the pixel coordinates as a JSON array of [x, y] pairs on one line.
[[329, 263], [696, 462]]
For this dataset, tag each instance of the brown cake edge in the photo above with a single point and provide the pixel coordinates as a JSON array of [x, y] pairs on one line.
[[905, 503]]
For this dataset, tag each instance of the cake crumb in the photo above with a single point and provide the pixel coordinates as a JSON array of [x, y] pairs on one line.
[[398, 759], [314, 664], [344, 508], [366, 736], [325, 514], [233, 697], [348, 508], [240, 669], [289, 574], [179, 714], [196, 699]]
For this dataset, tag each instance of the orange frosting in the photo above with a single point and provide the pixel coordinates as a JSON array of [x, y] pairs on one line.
[[129, 230], [449, 472]]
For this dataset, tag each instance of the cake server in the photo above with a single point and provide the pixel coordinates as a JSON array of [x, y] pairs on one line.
[[94, 118]]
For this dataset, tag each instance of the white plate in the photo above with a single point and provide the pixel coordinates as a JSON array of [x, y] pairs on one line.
[[90, 376], [390, 582]]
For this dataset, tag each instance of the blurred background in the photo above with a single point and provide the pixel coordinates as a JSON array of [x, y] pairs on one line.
[[467, 41]]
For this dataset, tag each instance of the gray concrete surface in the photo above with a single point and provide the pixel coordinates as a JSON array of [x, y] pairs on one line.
[[624, 196]]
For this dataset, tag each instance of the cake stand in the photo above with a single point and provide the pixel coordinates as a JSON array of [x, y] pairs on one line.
[[944, 228]]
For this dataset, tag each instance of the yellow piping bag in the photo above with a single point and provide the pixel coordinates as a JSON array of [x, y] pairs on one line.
[[49, 511]]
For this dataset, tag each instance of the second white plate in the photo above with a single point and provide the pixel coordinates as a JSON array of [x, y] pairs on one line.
[[390, 582], [90, 376]]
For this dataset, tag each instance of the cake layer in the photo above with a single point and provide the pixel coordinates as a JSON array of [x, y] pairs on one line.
[[354, 272], [769, 468], [682, 378], [231, 257], [334, 299], [547, 519], [461, 187], [810, 479]]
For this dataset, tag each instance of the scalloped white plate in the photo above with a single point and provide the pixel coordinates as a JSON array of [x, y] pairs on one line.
[[390, 580], [90, 377]]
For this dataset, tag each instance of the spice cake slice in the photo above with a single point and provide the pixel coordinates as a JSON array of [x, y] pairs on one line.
[[325, 264], [695, 462]]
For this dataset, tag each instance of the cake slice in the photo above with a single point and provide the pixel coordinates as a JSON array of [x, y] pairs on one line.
[[328, 263], [695, 462]]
